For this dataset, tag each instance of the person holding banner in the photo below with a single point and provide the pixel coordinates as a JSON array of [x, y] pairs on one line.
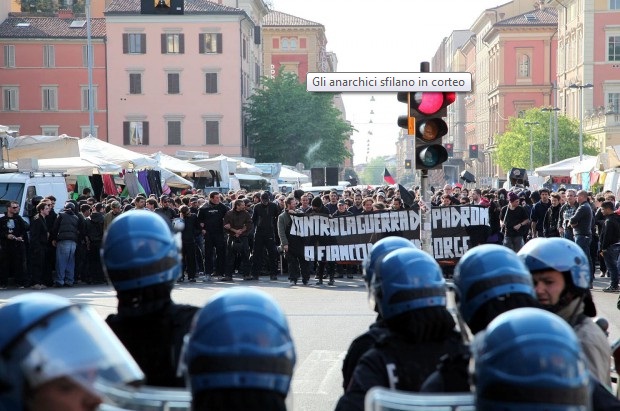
[[297, 264]]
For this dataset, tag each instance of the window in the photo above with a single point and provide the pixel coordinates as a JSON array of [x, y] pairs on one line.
[[172, 43], [173, 83], [10, 101], [135, 83], [49, 56], [614, 48], [212, 129], [50, 98], [210, 83], [293, 44], [174, 132], [9, 56], [284, 44], [85, 100], [134, 43], [85, 131], [614, 4], [210, 43], [136, 133], [613, 103], [524, 66], [244, 48], [49, 130], [85, 56]]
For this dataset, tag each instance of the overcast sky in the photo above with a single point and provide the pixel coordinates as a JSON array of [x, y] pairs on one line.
[[383, 36]]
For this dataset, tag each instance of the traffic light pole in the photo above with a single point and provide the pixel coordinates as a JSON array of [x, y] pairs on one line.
[[425, 217]]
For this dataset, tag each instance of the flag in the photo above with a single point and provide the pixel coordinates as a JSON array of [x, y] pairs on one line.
[[406, 196], [387, 177]]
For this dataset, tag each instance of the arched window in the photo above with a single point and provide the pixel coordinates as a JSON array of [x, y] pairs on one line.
[[524, 66], [285, 44], [293, 44]]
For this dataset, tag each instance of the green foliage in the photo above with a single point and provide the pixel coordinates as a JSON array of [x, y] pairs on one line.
[[287, 124], [513, 147], [50, 6], [373, 173]]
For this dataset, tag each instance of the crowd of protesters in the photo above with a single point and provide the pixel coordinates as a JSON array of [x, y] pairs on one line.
[[224, 235], [240, 233]]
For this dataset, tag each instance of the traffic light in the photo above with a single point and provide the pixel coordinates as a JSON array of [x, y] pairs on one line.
[[450, 149], [407, 121], [428, 108], [407, 164], [473, 151]]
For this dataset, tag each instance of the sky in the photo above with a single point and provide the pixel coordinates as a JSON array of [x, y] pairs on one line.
[[383, 36]]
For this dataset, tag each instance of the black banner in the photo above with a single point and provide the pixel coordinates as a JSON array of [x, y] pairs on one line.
[[454, 230]]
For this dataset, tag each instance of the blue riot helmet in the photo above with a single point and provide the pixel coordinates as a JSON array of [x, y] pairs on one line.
[[380, 249], [239, 340], [45, 337], [560, 254], [142, 259], [488, 272], [405, 280], [530, 359]]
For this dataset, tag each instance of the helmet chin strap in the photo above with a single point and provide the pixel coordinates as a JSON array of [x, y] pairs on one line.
[[566, 298]]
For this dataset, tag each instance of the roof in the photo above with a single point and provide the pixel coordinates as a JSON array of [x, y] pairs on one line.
[[277, 18], [544, 17], [49, 27], [190, 7]]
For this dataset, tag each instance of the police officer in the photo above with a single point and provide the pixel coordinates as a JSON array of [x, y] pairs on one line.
[[529, 359], [239, 354], [142, 259], [410, 292], [360, 345], [561, 273], [52, 353]]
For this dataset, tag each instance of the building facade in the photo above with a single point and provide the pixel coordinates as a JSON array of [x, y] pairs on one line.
[[44, 74]]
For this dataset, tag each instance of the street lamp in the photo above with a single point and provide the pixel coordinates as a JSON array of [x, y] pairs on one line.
[[550, 109], [580, 88], [529, 125], [89, 58]]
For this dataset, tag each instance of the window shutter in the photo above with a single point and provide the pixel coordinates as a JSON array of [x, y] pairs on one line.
[[145, 133], [220, 46], [163, 43], [201, 43], [126, 133], [125, 43], [181, 43], [212, 130], [143, 43]]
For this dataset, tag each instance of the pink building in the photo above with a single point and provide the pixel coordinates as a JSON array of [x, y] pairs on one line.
[[179, 82], [44, 75]]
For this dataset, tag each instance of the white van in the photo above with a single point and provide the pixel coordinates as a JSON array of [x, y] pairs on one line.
[[22, 187]]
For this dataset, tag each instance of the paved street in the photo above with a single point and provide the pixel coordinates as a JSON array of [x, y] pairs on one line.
[[323, 321]]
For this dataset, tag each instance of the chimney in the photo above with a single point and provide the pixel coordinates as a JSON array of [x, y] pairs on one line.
[[65, 13]]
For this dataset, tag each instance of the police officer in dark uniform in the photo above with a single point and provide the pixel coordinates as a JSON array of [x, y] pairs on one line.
[[378, 329], [142, 260], [410, 292]]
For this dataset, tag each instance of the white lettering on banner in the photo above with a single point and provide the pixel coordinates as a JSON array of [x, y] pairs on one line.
[[320, 225], [347, 252], [463, 216], [450, 247]]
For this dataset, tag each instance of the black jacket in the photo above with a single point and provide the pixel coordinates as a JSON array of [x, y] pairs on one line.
[[66, 227], [211, 217], [611, 231], [265, 218]]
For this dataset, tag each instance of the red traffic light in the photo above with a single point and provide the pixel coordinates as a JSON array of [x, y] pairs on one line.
[[450, 149], [429, 103], [473, 151]]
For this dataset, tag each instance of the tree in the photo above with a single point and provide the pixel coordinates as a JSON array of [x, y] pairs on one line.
[[373, 172], [287, 124], [513, 147], [50, 6]]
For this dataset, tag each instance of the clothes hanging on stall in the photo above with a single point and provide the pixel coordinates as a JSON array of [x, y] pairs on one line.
[[96, 182], [132, 184], [81, 183], [154, 177], [109, 187], [143, 178]]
